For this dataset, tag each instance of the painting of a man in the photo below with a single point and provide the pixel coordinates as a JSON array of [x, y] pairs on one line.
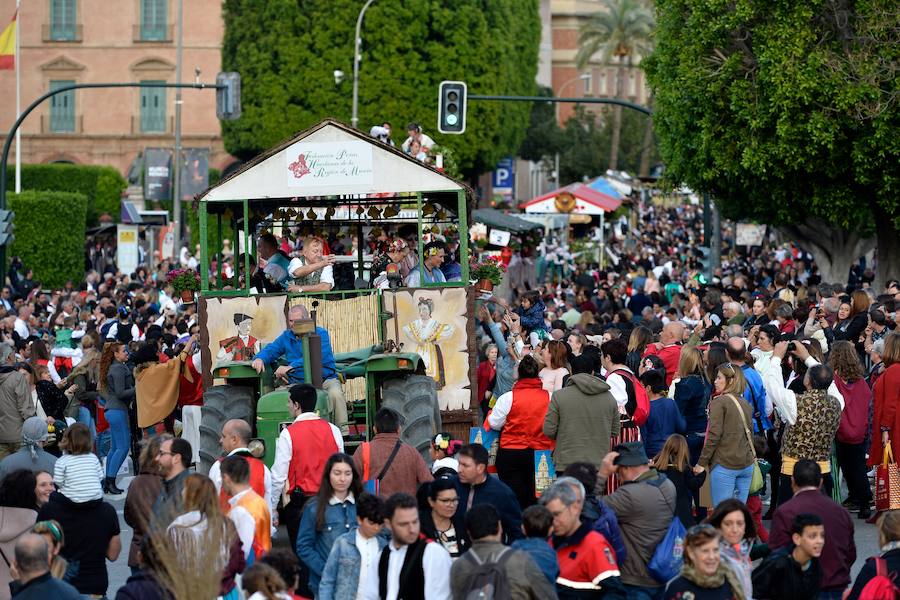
[[427, 333], [243, 346]]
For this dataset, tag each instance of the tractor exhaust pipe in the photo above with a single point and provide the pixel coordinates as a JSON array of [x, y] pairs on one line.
[[315, 351]]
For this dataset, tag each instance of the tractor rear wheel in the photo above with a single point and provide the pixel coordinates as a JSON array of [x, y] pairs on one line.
[[415, 398], [220, 404]]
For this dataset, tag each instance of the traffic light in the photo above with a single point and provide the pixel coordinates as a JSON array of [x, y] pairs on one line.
[[228, 96], [6, 227], [452, 107], [703, 255]]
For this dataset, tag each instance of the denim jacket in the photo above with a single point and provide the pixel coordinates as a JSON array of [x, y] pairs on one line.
[[314, 546], [340, 579]]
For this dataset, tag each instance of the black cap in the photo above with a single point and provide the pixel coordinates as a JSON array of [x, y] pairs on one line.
[[631, 454], [239, 317]]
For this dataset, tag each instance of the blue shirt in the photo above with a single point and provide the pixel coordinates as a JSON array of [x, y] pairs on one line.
[[664, 420], [290, 346], [755, 395]]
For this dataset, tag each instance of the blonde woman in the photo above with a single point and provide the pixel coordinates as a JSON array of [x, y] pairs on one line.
[[727, 453]]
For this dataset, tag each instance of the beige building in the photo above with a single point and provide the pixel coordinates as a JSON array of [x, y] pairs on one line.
[[597, 79], [108, 41]]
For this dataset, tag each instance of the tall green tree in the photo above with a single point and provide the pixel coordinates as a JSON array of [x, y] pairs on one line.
[[787, 113], [288, 50], [620, 33]]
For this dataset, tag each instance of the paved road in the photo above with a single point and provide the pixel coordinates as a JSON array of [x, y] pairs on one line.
[[866, 537]]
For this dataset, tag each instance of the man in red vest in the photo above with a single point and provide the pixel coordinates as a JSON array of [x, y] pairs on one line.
[[302, 449], [234, 441]]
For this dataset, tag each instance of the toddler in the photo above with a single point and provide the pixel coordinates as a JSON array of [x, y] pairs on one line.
[[78, 473], [537, 523]]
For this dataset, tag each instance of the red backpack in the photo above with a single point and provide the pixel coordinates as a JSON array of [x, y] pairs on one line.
[[642, 400], [882, 586]]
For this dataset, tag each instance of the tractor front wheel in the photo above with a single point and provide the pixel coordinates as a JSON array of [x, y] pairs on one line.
[[220, 404], [415, 398]]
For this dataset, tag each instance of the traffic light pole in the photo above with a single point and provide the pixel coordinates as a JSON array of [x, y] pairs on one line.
[[7, 144], [551, 99]]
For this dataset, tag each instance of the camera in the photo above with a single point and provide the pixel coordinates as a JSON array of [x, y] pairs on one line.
[[792, 346]]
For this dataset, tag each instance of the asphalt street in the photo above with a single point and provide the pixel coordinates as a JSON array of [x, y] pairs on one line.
[[865, 535]]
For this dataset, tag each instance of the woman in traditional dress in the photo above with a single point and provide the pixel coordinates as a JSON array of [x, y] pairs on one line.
[[427, 333]]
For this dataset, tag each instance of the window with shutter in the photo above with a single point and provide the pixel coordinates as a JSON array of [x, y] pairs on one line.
[[62, 108], [153, 108], [62, 20], [153, 20]]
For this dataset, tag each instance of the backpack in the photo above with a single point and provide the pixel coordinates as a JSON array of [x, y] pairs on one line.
[[882, 586], [642, 400], [488, 580]]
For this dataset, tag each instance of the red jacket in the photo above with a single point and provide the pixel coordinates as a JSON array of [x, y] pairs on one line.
[[670, 356], [887, 413], [485, 376], [524, 426], [855, 416]]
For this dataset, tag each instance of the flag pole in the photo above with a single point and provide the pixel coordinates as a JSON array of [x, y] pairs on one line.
[[17, 60]]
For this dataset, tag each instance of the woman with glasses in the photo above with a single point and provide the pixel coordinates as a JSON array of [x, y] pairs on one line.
[[441, 522], [727, 453], [703, 575]]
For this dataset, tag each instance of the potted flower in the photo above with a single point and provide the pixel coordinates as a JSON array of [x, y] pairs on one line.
[[185, 282], [487, 273]]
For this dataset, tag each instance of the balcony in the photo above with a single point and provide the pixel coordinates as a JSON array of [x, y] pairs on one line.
[[61, 126], [152, 35], [62, 35]]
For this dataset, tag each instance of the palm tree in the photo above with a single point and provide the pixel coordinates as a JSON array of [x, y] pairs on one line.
[[618, 33]]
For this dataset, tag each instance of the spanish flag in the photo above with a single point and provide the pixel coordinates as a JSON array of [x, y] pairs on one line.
[[8, 46]]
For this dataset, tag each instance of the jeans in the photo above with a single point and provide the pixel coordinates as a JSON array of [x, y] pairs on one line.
[[730, 483], [84, 416], [640, 592], [852, 460], [120, 434]]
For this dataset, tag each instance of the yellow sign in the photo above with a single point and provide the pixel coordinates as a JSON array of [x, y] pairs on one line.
[[564, 202], [127, 236]]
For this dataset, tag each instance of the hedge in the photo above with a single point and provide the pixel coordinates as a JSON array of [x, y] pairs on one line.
[[101, 185], [50, 234]]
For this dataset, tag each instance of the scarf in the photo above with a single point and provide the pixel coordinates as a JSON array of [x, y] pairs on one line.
[[715, 580]]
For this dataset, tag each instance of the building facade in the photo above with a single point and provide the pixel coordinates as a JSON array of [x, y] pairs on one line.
[[102, 41], [596, 80]]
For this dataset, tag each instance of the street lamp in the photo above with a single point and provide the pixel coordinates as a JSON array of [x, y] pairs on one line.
[[582, 77], [357, 42]]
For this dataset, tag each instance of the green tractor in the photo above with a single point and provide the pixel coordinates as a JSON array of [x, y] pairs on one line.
[[348, 187]]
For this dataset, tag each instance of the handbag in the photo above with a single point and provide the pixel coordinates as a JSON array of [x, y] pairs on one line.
[[373, 486], [887, 482], [665, 564], [756, 481]]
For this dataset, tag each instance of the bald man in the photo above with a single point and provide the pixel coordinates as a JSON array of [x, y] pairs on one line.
[[669, 348], [290, 346], [235, 440], [32, 564]]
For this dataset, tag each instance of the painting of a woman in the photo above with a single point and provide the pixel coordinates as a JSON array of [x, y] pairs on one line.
[[427, 333]]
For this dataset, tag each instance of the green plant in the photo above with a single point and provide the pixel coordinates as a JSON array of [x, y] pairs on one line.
[[183, 280], [409, 47], [101, 185], [50, 234], [490, 269]]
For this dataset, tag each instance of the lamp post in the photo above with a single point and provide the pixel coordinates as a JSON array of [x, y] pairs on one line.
[[582, 77], [357, 42]]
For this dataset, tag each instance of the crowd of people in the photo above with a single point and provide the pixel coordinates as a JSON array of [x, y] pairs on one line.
[[733, 406]]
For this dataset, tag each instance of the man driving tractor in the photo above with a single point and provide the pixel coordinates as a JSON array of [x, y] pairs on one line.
[[290, 346]]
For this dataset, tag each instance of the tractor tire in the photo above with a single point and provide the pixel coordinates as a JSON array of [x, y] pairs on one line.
[[415, 398], [220, 404]]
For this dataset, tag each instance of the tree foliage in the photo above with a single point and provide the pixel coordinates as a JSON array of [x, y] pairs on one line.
[[50, 234], [103, 186], [288, 50], [785, 111]]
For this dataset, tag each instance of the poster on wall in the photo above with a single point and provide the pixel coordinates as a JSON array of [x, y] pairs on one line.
[[236, 328], [433, 323], [127, 256]]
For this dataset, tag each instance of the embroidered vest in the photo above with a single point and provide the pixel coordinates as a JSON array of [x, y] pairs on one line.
[[262, 534], [811, 436], [311, 279], [257, 481]]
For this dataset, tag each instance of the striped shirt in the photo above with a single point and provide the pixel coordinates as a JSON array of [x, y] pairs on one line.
[[77, 476]]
